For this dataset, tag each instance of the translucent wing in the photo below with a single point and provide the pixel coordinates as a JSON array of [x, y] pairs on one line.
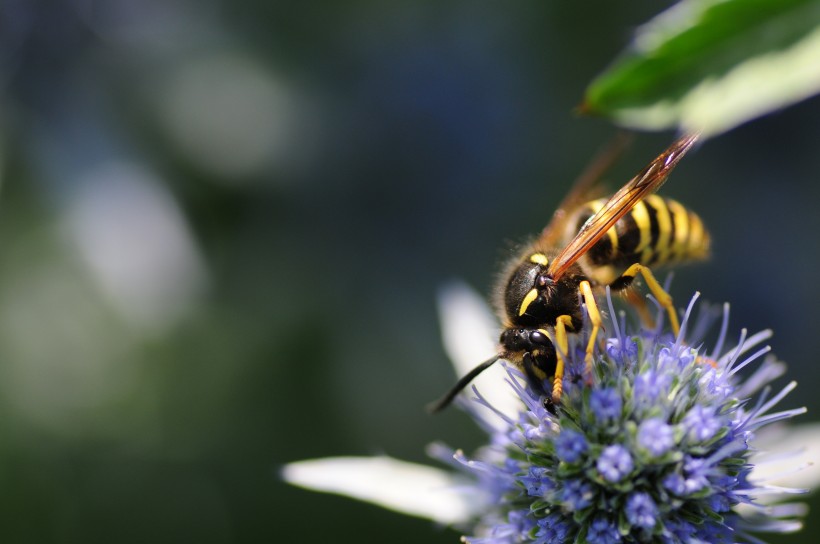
[[647, 181], [584, 188]]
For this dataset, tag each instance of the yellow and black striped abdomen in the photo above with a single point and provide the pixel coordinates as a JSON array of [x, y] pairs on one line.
[[658, 231]]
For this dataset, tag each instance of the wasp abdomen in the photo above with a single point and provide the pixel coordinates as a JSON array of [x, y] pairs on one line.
[[655, 232]]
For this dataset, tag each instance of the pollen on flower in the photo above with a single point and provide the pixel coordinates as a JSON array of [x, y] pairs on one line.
[[655, 449]]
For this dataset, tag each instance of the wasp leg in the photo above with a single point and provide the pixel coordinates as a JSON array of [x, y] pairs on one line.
[[664, 298], [639, 303], [537, 383], [561, 347], [595, 319], [535, 377]]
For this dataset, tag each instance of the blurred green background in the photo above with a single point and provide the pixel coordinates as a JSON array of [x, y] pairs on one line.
[[223, 224]]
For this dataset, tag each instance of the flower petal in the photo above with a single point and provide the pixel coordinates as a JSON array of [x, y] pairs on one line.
[[468, 329], [790, 456], [409, 488]]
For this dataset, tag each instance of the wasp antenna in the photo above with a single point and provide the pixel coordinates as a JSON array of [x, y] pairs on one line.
[[444, 402]]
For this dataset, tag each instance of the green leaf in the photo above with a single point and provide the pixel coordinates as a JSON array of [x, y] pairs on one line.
[[710, 65]]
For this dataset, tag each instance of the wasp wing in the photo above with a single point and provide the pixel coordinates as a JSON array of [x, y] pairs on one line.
[[644, 183], [586, 187]]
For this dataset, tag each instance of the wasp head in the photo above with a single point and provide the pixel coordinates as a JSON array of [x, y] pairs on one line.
[[530, 349], [528, 293]]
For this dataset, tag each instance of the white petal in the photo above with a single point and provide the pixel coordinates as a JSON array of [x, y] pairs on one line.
[[405, 487], [790, 456], [135, 240], [469, 332]]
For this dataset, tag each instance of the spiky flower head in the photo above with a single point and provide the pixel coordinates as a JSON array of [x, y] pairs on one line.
[[655, 446], [660, 444]]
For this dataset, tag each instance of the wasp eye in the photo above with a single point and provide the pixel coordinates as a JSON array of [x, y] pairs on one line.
[[539, 338]]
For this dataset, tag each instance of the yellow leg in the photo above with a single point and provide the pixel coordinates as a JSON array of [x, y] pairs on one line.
[[662, 296], [561, 347], [639, 303], [595, 319]]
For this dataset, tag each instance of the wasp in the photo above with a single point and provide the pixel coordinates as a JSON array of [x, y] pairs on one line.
[[587, 246]]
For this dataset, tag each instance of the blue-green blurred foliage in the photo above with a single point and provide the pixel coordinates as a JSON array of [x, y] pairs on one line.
[[222, 226]]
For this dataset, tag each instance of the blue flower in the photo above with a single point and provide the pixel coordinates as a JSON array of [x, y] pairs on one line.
[[621, 349], [655, 436], [615, 463], [570, 446], [537, 481], [641, 510], [701, 424], [553, 529], [660, 444], [650, 385], [577, 494], [606, 404], [656, 448], [602, 531]]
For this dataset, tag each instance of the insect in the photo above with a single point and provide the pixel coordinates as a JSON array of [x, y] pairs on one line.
[[608, 242]]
